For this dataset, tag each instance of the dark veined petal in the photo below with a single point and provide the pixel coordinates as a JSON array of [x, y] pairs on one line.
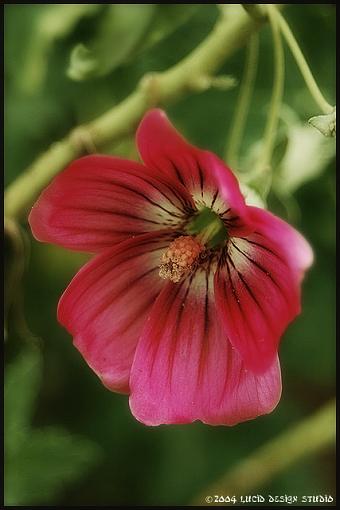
[[105, 305], [98, 201], [185, 368], [257, 287], [205, 176]]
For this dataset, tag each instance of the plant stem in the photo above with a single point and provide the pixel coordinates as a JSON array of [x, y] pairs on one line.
[[303, 66], [256, 11], [243, 102], [229, 33], [277, 93], [306, 438]]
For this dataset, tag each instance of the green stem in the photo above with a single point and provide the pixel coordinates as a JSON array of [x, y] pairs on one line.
[[228, 35], [277, 93], [303, 66], [306, 438], [243, 102], [14, 263], [256, 11]]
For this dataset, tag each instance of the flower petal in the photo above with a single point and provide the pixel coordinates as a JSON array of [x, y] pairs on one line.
[[105, 305], [288, 241], [98, 201], [185, 369], [205, 176], [257, 287]]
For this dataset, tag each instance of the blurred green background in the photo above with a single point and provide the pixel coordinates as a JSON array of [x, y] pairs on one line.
[[69, 441]]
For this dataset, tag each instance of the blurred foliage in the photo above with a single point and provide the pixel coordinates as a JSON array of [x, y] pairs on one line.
[[39, 462], [53, 22], [123, 32], [58, 416], [300, 155]]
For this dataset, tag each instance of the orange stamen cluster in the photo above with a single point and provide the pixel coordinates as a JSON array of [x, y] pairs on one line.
[[179, 258]]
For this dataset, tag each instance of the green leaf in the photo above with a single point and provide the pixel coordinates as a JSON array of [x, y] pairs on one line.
[[124, 33], [39, 462], [326, 124], [52, 23], [307, 155], [166, 20], [48, 460], [22, 382], [300, 154], [118, 35]]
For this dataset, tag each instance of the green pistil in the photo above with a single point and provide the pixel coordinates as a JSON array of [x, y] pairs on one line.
[[208, 227]]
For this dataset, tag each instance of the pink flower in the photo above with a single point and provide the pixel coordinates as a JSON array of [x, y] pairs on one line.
[[190, 290]]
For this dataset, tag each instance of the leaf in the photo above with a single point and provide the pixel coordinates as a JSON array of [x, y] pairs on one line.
[[167, 19], [307, 155], [49, 459], [326, 124], [53, 22], [300, 154], [118, 35], [124, 33], [83, 63], [22, 382], [39, 462]]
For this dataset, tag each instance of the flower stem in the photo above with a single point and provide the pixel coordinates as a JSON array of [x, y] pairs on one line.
[[308, 437], [243, 102], [302, 65], [277, 93]]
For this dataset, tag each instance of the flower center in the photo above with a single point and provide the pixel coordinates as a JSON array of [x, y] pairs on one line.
[[180, 257], [207, 233], [208, 227]]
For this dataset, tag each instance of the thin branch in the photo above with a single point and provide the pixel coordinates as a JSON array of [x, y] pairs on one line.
[[229, 33], [243, 102], [303, 66], [306, 438], [277, 93]]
